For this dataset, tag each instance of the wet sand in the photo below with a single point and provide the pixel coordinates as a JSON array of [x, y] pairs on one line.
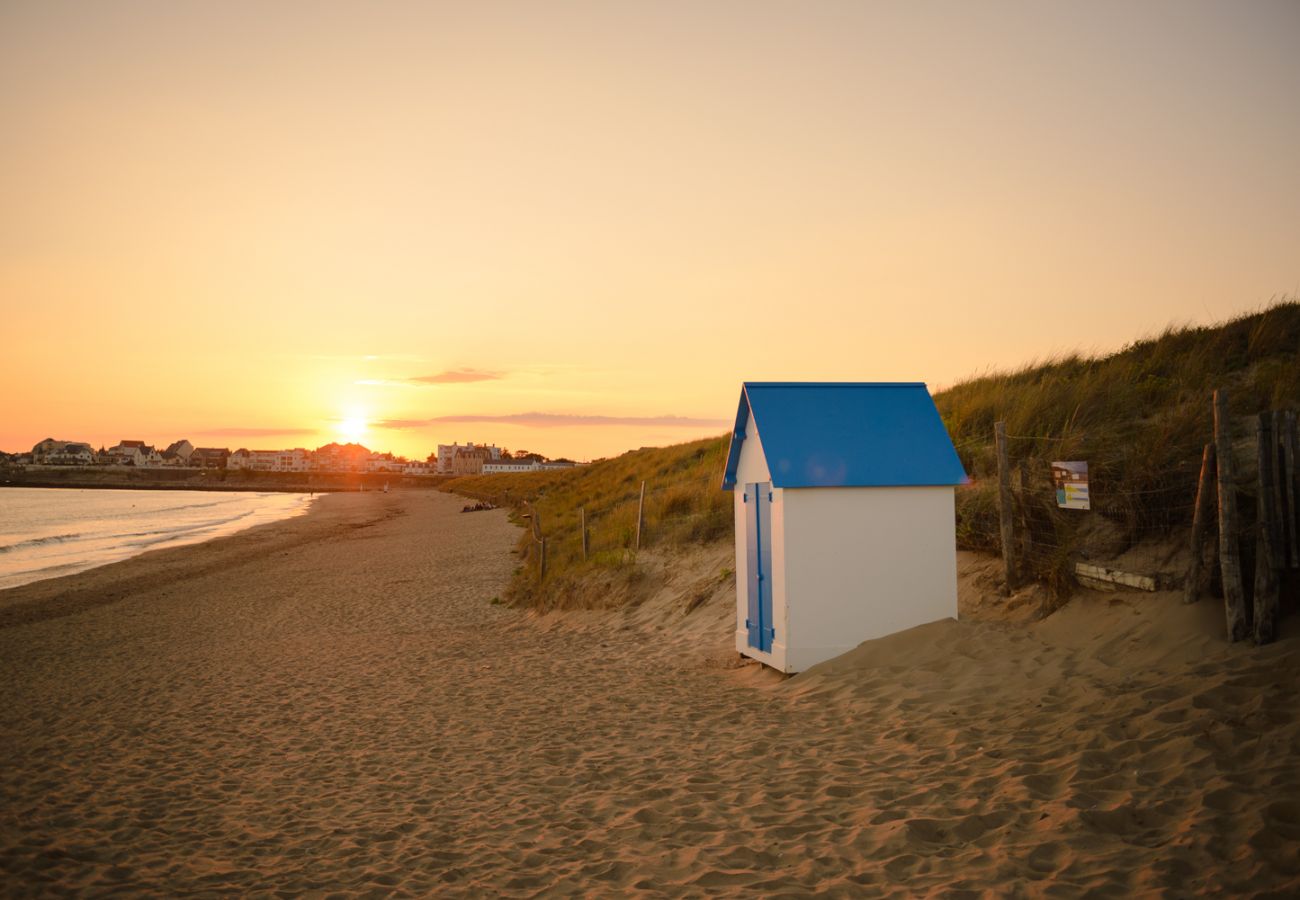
[[332, 703]]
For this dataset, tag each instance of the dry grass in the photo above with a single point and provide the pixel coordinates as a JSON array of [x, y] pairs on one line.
[[684, 504], [1139, 417]]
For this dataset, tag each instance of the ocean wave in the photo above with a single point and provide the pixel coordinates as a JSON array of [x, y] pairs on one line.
[[41, 541], [180, 529], [175, 534], [102, 532], [136, 512]]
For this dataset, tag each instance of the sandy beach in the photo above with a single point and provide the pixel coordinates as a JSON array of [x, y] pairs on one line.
[[333, 703]]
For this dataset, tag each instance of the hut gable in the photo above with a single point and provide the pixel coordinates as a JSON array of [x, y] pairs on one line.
[[865, 434]]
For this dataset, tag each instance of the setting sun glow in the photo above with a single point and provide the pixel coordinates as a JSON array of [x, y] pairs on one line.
[[352, 429], [515, 224]]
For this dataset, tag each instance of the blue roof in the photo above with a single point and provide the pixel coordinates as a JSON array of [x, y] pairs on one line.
[[844, 434]]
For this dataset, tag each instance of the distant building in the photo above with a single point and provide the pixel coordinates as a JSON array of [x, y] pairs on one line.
[[51, 452], [447, 453], [46, 447], [209, 457], [421, 467], [335, 457], [133, 453], [178, 453], [470, 461], [73, 454], [296, 460], [385, 462]]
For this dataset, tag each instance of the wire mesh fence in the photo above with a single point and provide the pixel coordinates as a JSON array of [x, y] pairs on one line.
[[1247, 492], [613, 530]]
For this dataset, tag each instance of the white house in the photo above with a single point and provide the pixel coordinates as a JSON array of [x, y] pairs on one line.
[[845, 528], [296, 460], [385, 462], [134, 453]]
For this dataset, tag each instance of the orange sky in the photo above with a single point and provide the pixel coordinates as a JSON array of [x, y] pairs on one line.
[[586, 224]]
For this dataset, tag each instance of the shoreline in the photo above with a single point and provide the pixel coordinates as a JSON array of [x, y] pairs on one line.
[[263, 482], [206, 489], [199, 488], [101, 585], [262, 511]]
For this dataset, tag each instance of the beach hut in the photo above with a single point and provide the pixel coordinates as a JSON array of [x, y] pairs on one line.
[[844, 497]]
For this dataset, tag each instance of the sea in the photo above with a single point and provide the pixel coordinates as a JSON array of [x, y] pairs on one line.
[[48, 532]]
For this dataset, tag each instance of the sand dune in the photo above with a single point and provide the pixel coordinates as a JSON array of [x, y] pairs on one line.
[[333, 704]]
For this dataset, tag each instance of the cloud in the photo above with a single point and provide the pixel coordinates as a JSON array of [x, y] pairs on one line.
[[557, 420], [456, 376], [253, 432], [400, 424]]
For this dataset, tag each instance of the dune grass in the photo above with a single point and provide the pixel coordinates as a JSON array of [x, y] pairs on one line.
[[684, 505], [1139, 417]]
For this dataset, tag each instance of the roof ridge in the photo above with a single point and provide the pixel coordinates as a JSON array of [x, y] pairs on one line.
[[834, 384]]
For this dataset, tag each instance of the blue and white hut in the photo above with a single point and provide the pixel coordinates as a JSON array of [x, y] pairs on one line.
[[845, 527]]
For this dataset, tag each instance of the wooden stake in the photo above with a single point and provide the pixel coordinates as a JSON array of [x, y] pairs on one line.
[[1289, 487], [582, 523], [1200, 518], [541, 567], [1278, 534], [640, 515], [1266, 581], [1004, 504], [1234, 594]]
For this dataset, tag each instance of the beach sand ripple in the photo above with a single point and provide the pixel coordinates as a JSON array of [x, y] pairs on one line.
[[332, 704]]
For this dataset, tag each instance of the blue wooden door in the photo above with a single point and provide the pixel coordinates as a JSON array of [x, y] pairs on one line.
[[758, 545]]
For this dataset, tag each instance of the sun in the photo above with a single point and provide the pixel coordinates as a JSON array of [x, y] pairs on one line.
[[352, 429]]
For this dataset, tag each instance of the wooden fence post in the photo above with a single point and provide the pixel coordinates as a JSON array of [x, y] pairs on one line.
[[1275, 435], [640, 515], [582, 523], [1266, 581], [1200, 517], [1289, 487], [541, 544], [1004, 504], [1234, 594]]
